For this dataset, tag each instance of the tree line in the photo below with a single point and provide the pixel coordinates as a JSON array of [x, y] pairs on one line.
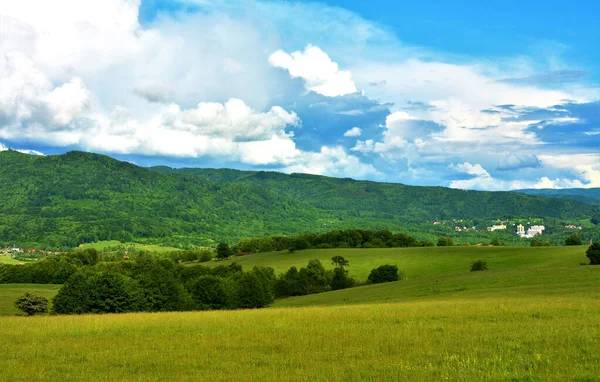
[[151, 283]]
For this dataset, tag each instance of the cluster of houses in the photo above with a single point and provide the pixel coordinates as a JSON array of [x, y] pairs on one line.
[[572, 226], [464, 229]]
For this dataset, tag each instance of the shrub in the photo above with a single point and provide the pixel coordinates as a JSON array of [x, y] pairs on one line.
[[495, 242], [384, 274], [445, 242], [573, 240], [593, 253], [32, 304], [479, 265]]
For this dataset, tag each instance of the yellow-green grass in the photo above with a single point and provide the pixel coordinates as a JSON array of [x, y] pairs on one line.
[[9, 293], [420, 262], [6, 259], [545, 338], [102, 245], [542, 282]]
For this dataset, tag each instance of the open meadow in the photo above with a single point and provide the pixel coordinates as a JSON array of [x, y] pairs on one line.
[[522, 338], [534, 316], [419, 262]]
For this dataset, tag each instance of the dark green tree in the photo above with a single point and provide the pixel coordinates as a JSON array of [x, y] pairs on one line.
[[593, 253], [384, 274], [495, 242], [573, 240], [445, 242], [212, 292], [339, 262], [255, 289], [32, 304], [223, 251]]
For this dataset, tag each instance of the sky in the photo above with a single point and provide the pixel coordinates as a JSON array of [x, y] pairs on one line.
[[494, 95]]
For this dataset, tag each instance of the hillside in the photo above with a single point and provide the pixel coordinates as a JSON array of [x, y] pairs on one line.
[[389, 200], [532, 316], [585, 195], [65, 200]]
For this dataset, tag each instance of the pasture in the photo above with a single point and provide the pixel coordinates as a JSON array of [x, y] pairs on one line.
[[524, 338], [103, 245], [420, 262], [534, 316], [10, 292]]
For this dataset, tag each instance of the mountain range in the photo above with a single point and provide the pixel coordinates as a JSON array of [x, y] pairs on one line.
[[77, 197]]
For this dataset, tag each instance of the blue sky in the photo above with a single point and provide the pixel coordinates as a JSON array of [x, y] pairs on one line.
[[496, 96]]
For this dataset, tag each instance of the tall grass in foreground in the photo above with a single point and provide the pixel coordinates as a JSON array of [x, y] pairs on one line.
[[515, 338]]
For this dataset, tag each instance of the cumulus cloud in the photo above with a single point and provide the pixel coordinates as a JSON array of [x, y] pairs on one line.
[[353, 132], [319, 72], [333, 161]]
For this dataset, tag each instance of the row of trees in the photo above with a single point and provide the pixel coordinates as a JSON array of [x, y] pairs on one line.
[[149, 283], [350, 238]]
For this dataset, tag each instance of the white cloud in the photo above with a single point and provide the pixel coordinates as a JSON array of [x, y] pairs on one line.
[[332, 161], [353, 132], [319, 73], [471, 169], [367, 146]]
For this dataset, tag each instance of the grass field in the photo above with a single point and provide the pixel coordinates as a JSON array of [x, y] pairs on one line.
[[102, 245], [534, 316], [6, 259], [10, 292], [420, 262], [526, 338]]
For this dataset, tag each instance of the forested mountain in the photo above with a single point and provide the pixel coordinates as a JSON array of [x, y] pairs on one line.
[[65, 200], [586, 195]]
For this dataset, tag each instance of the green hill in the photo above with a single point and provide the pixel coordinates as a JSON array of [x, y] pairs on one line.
[[419, 262], [66, 200], [585, 195]]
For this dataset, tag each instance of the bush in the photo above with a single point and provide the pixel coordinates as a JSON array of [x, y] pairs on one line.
[[479, 265], [573, 240], [593, 253], [32, 304], [445, 242], [495, 242], [384, 274]]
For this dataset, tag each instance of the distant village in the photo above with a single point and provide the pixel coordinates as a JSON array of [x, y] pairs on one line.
[[520, 229]]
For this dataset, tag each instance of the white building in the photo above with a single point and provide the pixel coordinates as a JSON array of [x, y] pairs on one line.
[[534, 230], [496, 227]]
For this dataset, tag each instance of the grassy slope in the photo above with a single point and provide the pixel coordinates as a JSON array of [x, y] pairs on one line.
[[534, 316], [102, 245], [506, 338], [5, 259], [542, 282], [10, 292], [419, 262]]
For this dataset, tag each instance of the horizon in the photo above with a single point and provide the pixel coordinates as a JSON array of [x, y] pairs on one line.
[[426, 94]]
